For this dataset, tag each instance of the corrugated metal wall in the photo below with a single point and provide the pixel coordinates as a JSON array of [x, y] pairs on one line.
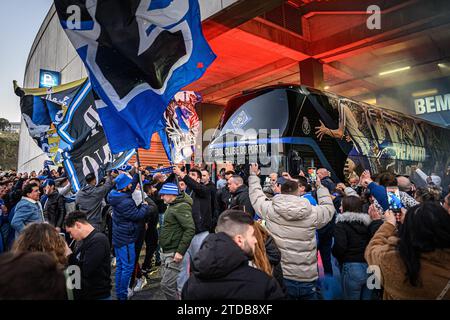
[[155, 156]]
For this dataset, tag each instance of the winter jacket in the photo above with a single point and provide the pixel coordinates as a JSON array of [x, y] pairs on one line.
[[90, 200], [93, 258], [328, 183], [241, 200], [214, 206], [201, 204], [221, 270], [55, 209], [178, 228], [153, 217], [157, 199], [434, 268], [26, 211], [223, 197], [292, 222], [11, 199], [126, 218], [274, 255], [352, 233]]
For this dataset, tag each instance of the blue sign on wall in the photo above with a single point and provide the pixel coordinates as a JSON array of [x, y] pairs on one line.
[[48, 79]]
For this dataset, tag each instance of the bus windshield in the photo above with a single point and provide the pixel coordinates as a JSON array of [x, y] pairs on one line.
[[267, 111]]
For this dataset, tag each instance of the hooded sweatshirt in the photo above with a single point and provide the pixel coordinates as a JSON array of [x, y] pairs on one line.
[[221, 271], [90, 200]]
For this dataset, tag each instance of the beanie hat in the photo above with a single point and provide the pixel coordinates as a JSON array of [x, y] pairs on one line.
[[169, 188]]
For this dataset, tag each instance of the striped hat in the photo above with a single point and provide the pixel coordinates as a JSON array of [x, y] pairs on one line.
[[169, 188]]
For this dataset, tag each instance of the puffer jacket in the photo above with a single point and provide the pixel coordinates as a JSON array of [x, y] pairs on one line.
[[352, 233], [292, 222], [178, 228], [126, 217]]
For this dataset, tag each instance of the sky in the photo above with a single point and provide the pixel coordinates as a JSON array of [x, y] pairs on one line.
[[20, 21]]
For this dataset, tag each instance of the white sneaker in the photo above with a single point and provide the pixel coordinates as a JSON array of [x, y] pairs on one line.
[[140, 284], [130, 293]]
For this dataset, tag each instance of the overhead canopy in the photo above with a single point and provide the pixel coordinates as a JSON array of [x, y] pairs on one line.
[[255, 51]]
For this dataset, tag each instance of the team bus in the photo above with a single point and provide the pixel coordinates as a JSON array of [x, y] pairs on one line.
[[290, 128]]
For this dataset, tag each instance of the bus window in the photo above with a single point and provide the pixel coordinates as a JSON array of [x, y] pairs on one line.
[[308, 157], [267, 111]]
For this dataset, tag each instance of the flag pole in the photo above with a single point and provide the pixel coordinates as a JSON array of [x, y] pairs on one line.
[[140, 175]]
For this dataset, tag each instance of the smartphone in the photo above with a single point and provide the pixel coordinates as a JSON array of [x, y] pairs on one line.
[[312, 173], [393, 195]]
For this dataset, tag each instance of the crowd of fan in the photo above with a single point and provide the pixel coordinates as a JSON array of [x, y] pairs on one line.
[[287, 237]]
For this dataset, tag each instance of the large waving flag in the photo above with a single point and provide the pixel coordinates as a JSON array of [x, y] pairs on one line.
[[139, 54], [43, 110], [64, 122], [182, 127]]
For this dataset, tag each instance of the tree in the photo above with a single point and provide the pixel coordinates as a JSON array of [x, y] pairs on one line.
[[4, 124]]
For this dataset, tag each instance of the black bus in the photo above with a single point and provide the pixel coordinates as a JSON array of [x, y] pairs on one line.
[[289, 128]]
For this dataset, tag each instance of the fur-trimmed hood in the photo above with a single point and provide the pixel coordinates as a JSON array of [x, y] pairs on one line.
[[357, 217]]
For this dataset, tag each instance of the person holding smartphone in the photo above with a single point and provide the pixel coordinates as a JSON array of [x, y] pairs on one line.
[[412, 252], [378, 190]]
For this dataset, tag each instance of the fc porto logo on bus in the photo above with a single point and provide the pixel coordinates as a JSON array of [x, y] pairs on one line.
[[306, 127], [240, 120]]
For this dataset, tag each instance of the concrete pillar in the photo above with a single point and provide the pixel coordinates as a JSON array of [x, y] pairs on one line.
[[311, 73]]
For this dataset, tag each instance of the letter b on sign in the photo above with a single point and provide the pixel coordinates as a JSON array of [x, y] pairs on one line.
[[420, 106]]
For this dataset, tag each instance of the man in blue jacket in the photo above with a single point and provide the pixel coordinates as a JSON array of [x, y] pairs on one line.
[[126, 217], [29, 209]]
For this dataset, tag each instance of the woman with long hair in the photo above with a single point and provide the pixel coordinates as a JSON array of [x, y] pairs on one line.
[[43, 237], [267, 257], [415, 260]]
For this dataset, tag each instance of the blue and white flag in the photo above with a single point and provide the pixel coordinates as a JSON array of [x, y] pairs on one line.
[[182, 127], [126, 167], [64, 122], [139, 54]]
